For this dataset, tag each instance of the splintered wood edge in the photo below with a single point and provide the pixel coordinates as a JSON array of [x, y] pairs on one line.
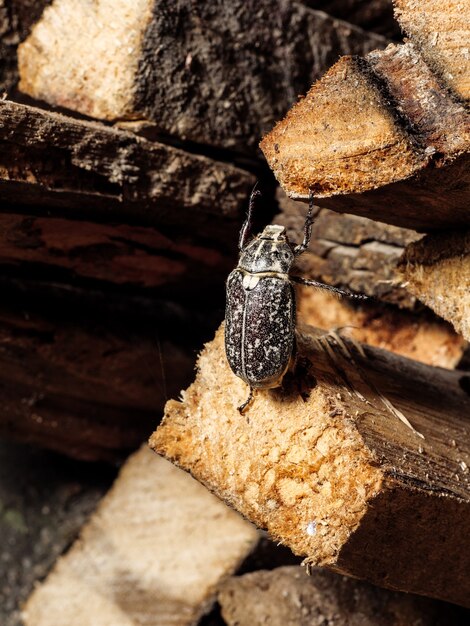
[[154, 552], [342, 477], [437, 271]]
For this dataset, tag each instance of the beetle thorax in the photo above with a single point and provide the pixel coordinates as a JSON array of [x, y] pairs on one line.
[[268, 252]]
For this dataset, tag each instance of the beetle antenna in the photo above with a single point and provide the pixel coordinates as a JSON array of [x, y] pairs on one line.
[[307, 226], [315, 283], [247, 227]]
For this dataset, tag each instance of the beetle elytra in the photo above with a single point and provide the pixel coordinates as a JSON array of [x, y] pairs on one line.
[[260, 315]]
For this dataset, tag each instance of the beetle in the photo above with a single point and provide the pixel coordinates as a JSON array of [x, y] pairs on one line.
[[260, 315]]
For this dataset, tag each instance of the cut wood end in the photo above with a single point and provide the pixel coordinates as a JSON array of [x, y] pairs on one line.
[[341, 138], [436, 270], [310, 480], [154, 552], [98, 85], [442, 33], [358, 472]]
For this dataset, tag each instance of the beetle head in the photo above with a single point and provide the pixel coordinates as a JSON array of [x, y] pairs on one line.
[[270, 251]]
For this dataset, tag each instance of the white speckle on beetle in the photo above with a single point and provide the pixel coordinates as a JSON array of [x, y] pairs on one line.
[[311, 529]]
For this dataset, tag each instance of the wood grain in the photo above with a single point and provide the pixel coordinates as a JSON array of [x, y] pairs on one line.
[[334, 472], [378, 137], [91, 170], [441, 31], [215, 75], [437, 271], [123, 571]]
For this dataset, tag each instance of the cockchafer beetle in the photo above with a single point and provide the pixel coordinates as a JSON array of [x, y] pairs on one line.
[[260, 315]]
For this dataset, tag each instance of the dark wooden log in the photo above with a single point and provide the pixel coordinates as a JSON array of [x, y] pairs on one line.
[[365, 471], [89, 170], [88, 384], [378, 137], [143, 261], [286, 596], [374, 15], [16, 19], [217, 75], [437, 271]]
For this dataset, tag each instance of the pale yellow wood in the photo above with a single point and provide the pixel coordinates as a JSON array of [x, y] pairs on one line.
[[152, 554]]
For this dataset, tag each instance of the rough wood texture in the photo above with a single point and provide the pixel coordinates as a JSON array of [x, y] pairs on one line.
[[437, 271], [144, 260], [52, 160], [333, 472], [349, 251], [16, 19], [378, 137], [214, 74], [442, 32], [420, 337], [153, 553], [286, 596], [85, 387], [373, 15]]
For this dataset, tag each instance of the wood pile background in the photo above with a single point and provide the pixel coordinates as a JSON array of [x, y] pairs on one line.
[[131, 136]]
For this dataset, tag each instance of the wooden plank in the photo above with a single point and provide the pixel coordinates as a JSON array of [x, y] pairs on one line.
[[437, 271], [86, 168], [153, 553], [378, 137], [128, 61], [87, 385], [334, 472], [286, 596], [153, 262]]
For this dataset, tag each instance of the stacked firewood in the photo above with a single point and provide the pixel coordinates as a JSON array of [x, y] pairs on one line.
[[130, 135]]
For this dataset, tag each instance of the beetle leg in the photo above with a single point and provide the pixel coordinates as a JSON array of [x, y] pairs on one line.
[[307, 227], [314, 283], [247, 227], [242, 407]]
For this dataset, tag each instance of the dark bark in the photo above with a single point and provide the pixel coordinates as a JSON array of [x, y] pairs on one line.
[[373, 15], [217, 73], [287, 596], [350, 251], [83, 380], [89, 170]]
